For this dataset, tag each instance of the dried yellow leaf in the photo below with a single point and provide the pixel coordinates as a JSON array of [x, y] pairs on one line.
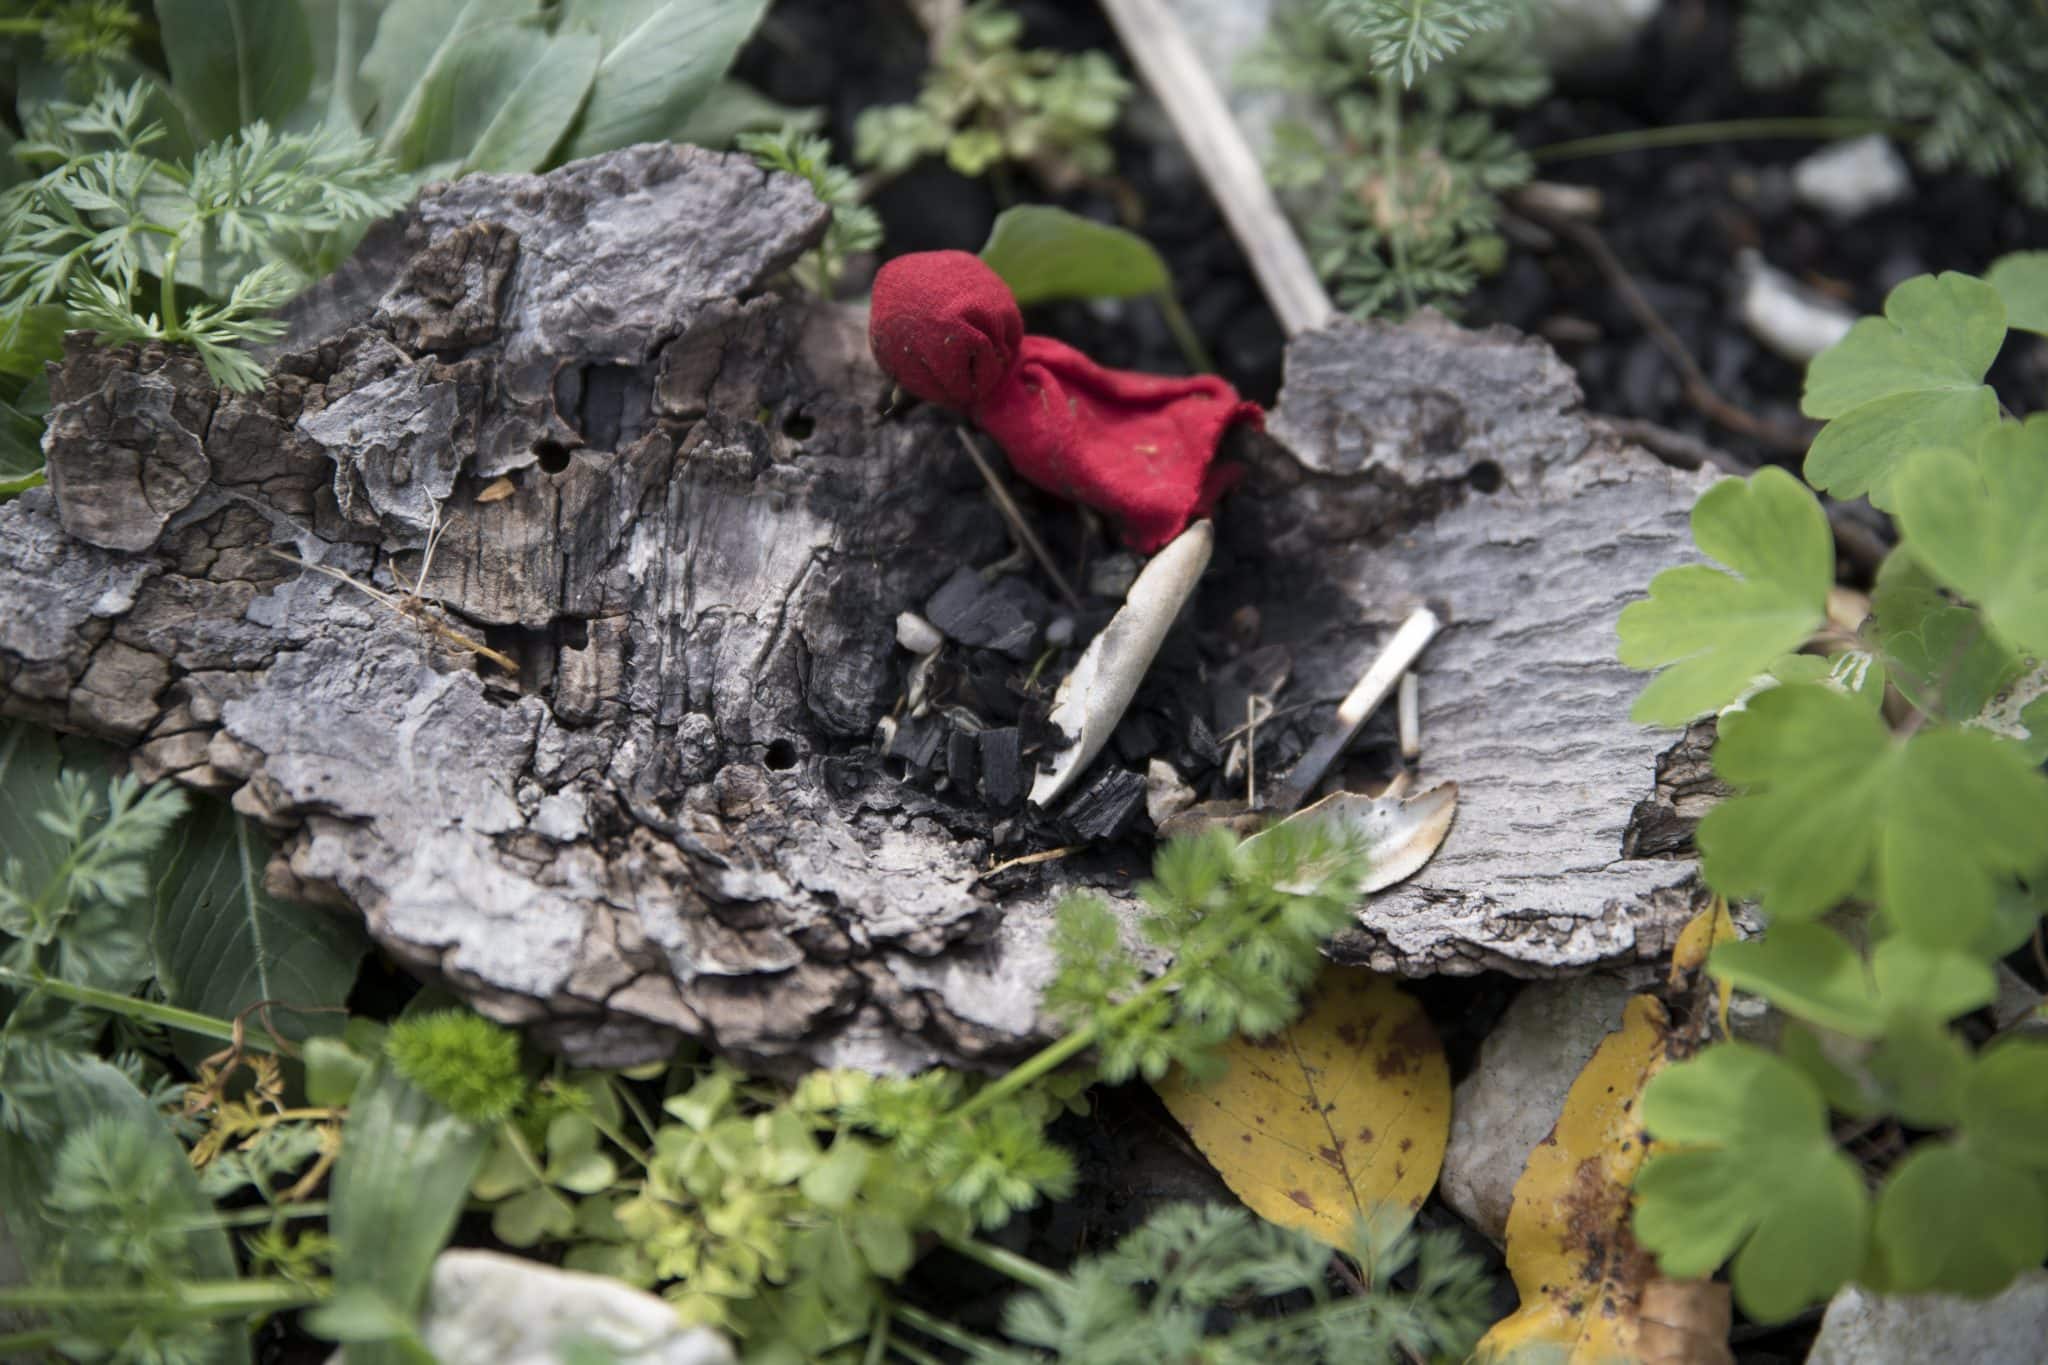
[[1343, 1114], [1705, 930], [497, 490], [1590, 1295]]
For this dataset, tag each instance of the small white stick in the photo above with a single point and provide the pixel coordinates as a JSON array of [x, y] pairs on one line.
[[1380, 679], [1159, 48], [1407, 711]]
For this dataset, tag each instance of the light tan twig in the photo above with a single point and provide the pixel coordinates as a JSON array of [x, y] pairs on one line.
[[1014, 515]]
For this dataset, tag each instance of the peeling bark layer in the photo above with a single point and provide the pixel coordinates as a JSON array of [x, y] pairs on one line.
[[567, 404]]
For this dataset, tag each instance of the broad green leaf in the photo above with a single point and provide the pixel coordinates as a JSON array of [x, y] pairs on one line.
[[2005, 1102], [1809, 971], [76, 1092], [1755, 1175], [2021, 280], [1930, 983], [1904, 382], [1045, 253], [415, 40], [1919, 1067], [21, 451], [531, 1217], [734, 107], [1831, 803], [661, 59], [501, 100], [223, 944], [404, 1172], [1937, 652], [1713, 632], [1950, 1218], [342, 31], [236, 61], [1981, 527]]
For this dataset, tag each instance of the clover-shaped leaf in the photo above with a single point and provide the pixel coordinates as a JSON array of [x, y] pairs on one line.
[[1907, 381], [1936, 651], [1754, 1174], [2005, 1102], [1953, 1217], [2021, 280], [1832, 804], [1981, 526], [1813, 972], [1714, 630]]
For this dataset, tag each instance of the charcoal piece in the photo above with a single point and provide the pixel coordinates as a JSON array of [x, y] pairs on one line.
[[1107, 806], [1202, 745], [1002, 767], [1137, 737], [961, 760], [986, 686], [1004, 616], [918, 740]]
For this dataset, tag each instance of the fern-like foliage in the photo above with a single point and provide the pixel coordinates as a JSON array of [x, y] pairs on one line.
[[1156, 1295], [854, 226], [1967, 74], [1395, 171], [110, 223]]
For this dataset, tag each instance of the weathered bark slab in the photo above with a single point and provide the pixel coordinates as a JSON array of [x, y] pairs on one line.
[[694, 537]]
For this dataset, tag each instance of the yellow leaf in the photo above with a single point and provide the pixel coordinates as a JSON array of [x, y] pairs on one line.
[[498, 490], [1702, 932], [1341, 1115], [1590, 1295]]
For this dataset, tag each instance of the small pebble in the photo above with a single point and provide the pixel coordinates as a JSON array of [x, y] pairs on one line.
[[1165, 794], [1848, 179], [1060, 633], [1793, 321], [916, 634], [1112, 575]]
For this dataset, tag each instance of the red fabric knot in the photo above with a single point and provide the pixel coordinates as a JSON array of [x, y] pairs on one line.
[[1140, 448]]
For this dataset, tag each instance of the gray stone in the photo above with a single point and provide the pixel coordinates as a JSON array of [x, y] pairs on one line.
[[1848, 179], [1513, 1097], [1861, 1328], [484, 1308]]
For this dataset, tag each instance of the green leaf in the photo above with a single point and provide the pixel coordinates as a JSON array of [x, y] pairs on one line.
[[661, 59], [1757, 1177], [334, 1070], [2021, 280], [236, 61], [1831, 803], [1714, 630], [2005, 1102], [224, 944], [1981, 527], [1936, 652], [501, 100], [1045, 254], [1950, 1219], [405, 1168], [1919, 1067], [734, 107], [1910, 380], [1930, 983], [414, 41], [532, 1217], [342, 31], [1809, 971], [21, 451]]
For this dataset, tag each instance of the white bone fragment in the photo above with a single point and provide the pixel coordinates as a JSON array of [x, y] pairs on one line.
[[1095, 695], [1379, 679]]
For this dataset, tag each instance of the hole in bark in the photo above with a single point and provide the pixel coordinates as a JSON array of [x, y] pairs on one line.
[[1484, 476], [553, 455], [574, 632], [798, 426], [781, 754]]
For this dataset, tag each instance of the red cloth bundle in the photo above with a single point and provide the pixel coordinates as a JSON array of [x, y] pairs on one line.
[[1140, 448]]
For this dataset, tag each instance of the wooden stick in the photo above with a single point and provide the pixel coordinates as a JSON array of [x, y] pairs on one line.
[[1379, 679], [1159, 48], [1014, 515]]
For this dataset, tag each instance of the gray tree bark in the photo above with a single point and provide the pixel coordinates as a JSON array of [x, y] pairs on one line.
[[665, 492]]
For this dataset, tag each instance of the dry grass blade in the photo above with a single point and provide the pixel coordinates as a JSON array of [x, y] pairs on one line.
[[414, 607]]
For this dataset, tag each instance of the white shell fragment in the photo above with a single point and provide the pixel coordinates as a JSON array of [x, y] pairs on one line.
[[916, 634], [1095, 695], [1401, 833], [1408, 717], [1790, 319], [1371, 689], [1847, 179]]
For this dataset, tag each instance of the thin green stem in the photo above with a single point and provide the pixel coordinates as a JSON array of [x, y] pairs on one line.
[[632, 1104], [147, 1011], [1191, 347], [168, 291], [937, 1328], [1724, 130], [640, 1155], [1023, 1270], [15, 1344], [198, 1300], [1390, 143], [913, 1355], [878, 1335], [9, 27], [257, 1217]]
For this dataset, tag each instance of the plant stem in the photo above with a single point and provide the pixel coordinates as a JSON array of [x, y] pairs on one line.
[[936, 1327], [1725, 130], [1191, 347], [26, 26], [878, 1335], [1390, 143], [168, 290], [147, 1011], [249, 1218], [194, 1300], [913, 1355], [1022, 1269], [17, 1344]]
